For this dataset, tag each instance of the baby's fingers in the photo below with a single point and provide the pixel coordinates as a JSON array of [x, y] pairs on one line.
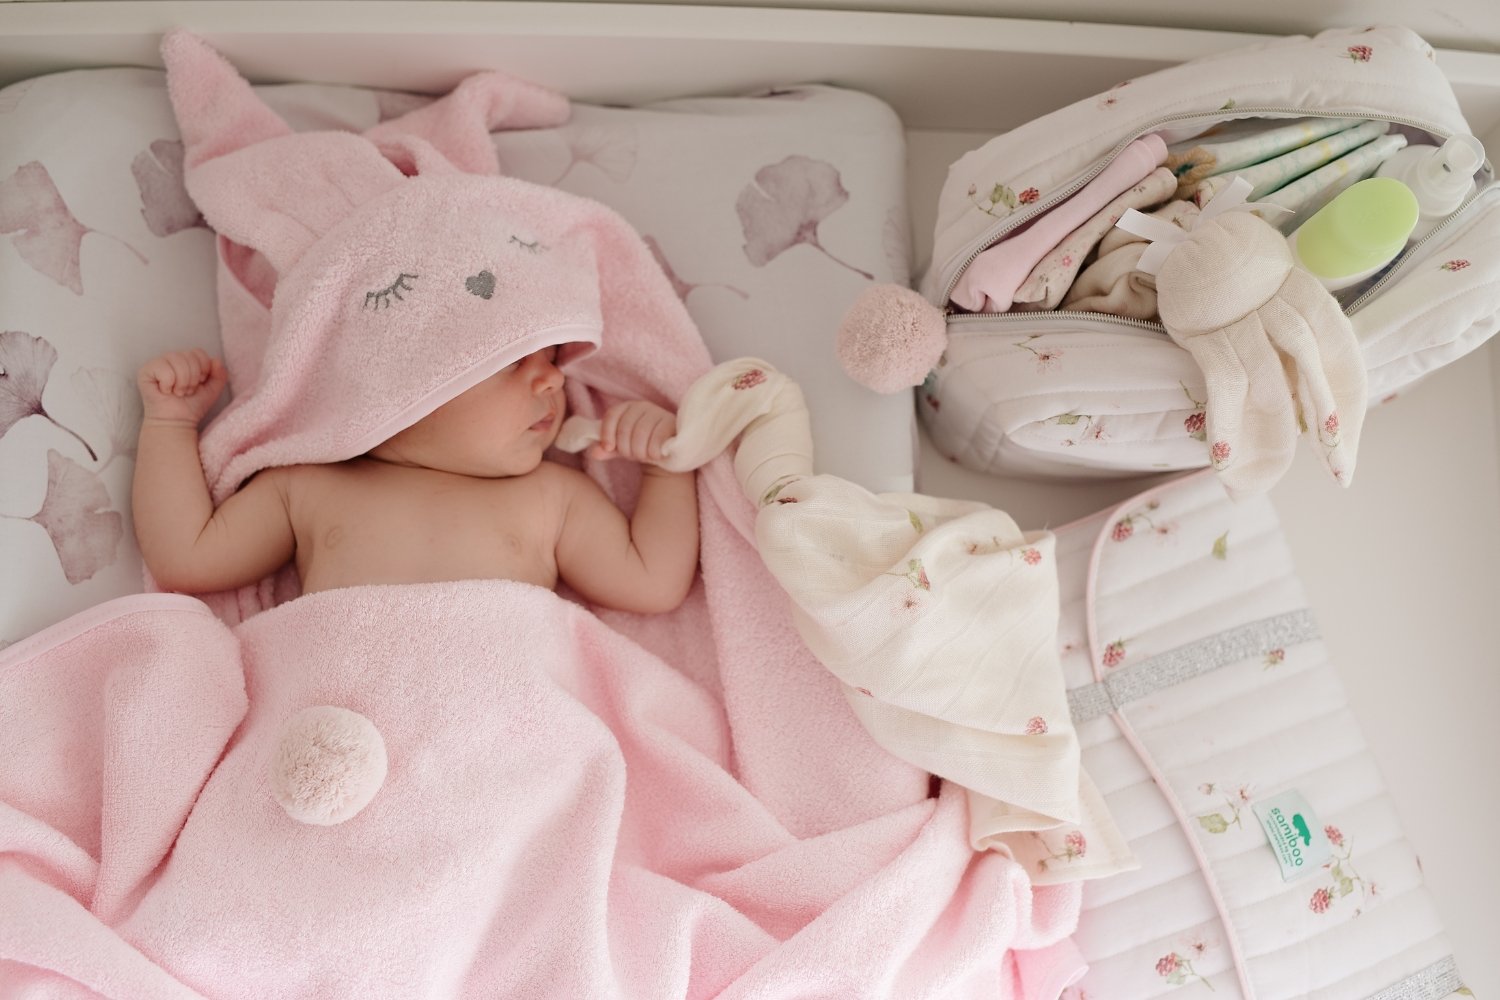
[[185, 375], [215, 376], [641, 435], [202, 366], [637, 442], [157, 374], [608, 427], [661, 432]]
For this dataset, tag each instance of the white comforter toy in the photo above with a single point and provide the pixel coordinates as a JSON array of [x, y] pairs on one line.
[[1277, 351], [938, 616]]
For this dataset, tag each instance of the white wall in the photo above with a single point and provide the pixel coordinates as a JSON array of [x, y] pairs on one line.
[[1458, 24]]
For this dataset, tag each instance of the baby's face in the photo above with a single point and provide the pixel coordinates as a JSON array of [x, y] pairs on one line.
[[499, 427]]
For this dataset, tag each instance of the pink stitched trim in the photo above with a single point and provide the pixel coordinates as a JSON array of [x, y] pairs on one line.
[[72, 627], [477, 373], [1095, 663], [233, 474]]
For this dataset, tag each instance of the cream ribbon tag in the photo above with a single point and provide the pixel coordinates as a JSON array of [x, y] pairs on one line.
[[1166, 237]]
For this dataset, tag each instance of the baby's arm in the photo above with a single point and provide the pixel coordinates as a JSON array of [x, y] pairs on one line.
[[645, 564], [186, 544]]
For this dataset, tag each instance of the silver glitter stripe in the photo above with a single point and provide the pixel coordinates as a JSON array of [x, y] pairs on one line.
[[1186, 662], [1089, 702], [1440, 979]]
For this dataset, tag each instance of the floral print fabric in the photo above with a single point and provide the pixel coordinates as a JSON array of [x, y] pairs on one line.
[[988, 411], [1182, 567]]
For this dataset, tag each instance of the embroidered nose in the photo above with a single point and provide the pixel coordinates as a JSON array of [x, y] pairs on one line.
[[481, 284]]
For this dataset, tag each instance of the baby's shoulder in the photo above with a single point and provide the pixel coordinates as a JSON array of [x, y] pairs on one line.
[[301, 475], [556, 477], [299, 484]]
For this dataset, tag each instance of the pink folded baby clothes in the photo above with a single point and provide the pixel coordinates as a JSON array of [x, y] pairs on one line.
[[990, 283], [1050, 280]]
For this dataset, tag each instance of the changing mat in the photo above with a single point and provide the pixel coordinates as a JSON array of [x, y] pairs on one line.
[[1203, 696], [769, 214]]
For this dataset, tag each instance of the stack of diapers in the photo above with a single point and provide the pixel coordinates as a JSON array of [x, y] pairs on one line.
[[1272, 864], [1111, 291], [769, 214], [1298, 165]]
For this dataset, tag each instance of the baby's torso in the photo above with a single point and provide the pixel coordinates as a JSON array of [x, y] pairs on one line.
[[367, 522]]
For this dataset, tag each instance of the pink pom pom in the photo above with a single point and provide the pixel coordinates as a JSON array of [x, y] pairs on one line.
[[891, 338], [328, 766]]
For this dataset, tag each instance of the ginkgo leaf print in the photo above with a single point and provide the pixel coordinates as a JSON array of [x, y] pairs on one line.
[[164, 199], [785, 204], [612, 149], [50, 237], [116, 404], [25, 365], [683, 288], [76, 516]]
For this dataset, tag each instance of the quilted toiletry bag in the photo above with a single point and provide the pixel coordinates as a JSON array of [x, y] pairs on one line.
[[1067, 393]]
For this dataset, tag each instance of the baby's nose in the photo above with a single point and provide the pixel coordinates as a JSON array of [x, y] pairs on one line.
[[547, 376]]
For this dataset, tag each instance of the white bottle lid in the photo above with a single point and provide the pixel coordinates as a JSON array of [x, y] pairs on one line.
[[1448, 171]]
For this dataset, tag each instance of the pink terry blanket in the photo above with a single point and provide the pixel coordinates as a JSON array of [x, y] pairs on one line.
[[578, 803], [561, 818]]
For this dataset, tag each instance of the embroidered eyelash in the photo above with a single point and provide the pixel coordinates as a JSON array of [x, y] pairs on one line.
[[383, 296], [535, 246]]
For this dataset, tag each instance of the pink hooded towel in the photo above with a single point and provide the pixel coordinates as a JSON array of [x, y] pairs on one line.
[[366, 280]]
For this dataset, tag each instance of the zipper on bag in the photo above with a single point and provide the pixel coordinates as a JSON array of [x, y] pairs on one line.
[[1016, 220], [1410, 254]]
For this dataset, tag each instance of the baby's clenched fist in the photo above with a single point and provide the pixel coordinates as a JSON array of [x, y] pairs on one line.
[[635, 430], [181, 386]]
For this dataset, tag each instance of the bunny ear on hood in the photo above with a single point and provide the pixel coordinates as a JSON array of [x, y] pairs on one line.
[[265, 187], [458, 125], [257, 182]]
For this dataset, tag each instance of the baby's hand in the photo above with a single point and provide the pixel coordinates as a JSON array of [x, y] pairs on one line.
[[635, 430], [181, 386]]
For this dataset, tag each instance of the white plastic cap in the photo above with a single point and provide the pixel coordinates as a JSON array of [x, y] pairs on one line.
[[1450, 169]]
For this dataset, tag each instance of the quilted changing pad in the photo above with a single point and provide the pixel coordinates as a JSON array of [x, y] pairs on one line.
[[1203, 695]]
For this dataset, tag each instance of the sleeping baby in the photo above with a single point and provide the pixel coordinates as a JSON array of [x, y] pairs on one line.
[[462, 493], [397, 318]]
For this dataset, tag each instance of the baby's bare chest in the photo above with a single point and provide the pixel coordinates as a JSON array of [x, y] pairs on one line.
[[364, 529]]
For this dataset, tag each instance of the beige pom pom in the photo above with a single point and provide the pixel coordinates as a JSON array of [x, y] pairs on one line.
[[329, 765], [891, 338]]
